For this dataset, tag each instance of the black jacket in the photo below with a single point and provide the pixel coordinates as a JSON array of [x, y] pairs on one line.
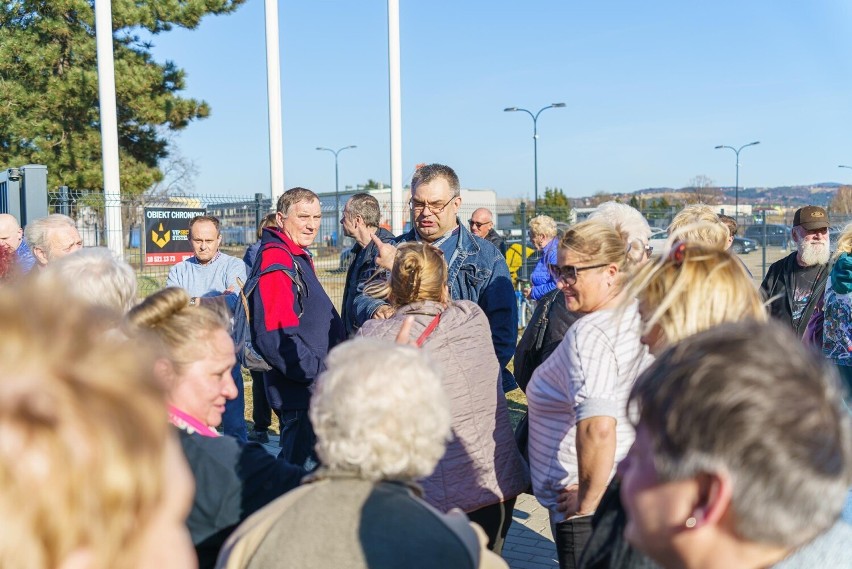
[[232, 481], [497, 240], [777, 284], [361, 269]]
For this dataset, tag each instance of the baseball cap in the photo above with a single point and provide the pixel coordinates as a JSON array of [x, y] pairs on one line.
[[810, 217]]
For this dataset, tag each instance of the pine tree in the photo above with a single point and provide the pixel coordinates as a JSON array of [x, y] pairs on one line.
[[49, 87]]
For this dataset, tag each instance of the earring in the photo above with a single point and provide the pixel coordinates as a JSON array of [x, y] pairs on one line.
[[691, 522]]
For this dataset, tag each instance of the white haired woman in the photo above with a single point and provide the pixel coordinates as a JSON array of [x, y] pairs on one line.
[[482, 472], [542, 233], [725, 471], [578, 423], [379, 428], [96, 276]]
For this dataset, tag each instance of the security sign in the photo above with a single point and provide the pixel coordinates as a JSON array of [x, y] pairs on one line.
[[167, 234]]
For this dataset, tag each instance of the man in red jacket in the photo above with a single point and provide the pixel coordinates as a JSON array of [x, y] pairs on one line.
[[294, 323]]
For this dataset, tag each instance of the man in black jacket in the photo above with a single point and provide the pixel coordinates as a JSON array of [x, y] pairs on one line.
[[360, 220], [481, 224], [796, 283]]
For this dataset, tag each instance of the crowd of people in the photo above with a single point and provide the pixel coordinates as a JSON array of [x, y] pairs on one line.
[[679, 416]]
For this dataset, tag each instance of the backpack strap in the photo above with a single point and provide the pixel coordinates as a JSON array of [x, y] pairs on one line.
[[294, 272]]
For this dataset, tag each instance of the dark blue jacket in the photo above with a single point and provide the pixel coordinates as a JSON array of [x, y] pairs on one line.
[[361, 269], [292, 330]]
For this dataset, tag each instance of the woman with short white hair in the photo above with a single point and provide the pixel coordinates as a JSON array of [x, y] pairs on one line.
[[379, 428], [96, 276]]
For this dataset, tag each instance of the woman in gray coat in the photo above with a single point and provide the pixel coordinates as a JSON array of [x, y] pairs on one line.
[[482, 471]]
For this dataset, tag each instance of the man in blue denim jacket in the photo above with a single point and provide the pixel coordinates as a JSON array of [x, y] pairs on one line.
[[477, 270]]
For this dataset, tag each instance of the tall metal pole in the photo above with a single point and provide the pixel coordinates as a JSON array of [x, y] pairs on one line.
[[336, 183], [109, 127], [737, 186], [273, 95], [395, 103], [535, 142]]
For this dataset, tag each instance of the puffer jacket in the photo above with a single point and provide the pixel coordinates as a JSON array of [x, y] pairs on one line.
[[482, 465]]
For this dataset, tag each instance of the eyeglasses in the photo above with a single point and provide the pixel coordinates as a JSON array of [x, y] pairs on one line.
[[649, 251], [418, 207], [568, 273], [478, 224]]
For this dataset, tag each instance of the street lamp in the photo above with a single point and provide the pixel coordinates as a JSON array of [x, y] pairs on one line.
[[842, 166], [535, 139], [737, 187], [336, 183]]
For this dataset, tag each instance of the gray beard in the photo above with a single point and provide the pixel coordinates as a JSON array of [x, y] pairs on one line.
[[811, 254]]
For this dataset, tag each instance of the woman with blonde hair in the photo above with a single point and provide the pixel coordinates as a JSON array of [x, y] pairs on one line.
[[91, 475], [196, 355], [482, 471], [695, 287], [698, 222], [578, 424]]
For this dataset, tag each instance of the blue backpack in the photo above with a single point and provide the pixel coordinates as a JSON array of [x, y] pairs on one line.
[[242, 332]]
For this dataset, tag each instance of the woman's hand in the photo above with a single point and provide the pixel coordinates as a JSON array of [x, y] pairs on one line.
[[568, 500]]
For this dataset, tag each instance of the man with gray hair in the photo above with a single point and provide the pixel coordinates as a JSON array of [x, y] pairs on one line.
[[795, 284], [360, 220], [12, 236], [52, 237], [293, 321]]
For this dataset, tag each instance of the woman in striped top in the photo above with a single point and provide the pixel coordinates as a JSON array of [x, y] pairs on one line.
[[577, 398]]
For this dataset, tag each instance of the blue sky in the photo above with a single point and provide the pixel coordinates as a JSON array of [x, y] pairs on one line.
[[650, 88]]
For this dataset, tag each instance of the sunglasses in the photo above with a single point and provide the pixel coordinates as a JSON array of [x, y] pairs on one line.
[[568, 273], [477, 224]]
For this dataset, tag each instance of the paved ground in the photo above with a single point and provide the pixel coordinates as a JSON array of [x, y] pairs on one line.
[[529, 544]]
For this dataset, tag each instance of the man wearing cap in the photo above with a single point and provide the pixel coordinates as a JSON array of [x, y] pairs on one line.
[[796, 283]]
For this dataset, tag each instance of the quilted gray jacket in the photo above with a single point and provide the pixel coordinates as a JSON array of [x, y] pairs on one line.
[[482, 465]]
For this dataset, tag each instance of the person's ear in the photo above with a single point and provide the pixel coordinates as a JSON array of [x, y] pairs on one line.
[[40, 255], [164, 371], [713, 500], [279, 220]]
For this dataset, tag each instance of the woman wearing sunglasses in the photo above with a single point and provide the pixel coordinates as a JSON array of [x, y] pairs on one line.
[[578, 423], [482, 471]]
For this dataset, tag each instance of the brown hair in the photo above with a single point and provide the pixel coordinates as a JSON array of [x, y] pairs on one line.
[[181, 331], [211, 218], [84, 433], [268, 221], [294, 196], [419, 273]]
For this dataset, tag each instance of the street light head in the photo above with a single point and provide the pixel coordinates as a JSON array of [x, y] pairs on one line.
[[353, 146], [720, 146], [510, 109], [755, 142], [557, 105]]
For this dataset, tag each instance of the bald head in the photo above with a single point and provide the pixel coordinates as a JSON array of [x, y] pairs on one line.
[[11, 233], [481, 222]]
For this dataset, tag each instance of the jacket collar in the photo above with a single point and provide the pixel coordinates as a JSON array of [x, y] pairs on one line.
[[275, 235], [466, 246]]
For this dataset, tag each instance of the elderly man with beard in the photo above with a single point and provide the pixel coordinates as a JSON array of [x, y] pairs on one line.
[[796, 283]]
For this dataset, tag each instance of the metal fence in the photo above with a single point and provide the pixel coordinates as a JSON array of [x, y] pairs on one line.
[[241, 215]]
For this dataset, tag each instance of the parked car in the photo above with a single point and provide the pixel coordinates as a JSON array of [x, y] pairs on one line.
[[742, 245], [777, 235]]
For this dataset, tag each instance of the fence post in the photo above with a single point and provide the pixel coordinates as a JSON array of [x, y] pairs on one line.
[[524, 274], [258, 210], [64, 202], [763, 221]]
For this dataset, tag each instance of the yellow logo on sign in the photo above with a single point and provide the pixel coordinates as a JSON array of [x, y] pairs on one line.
[[157, 239]]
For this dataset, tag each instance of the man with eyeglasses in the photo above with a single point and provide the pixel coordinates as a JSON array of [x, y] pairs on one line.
[[481, 224], [477, 270]]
